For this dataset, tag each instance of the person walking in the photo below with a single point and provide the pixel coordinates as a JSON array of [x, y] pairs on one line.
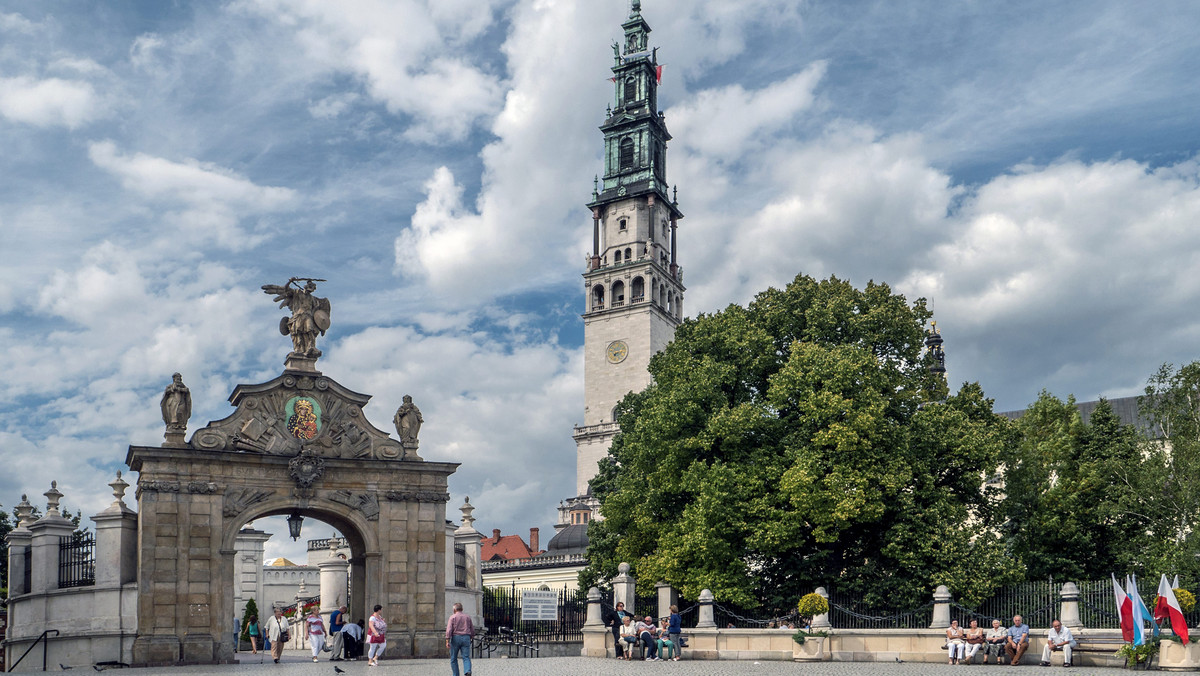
[[252, 632], [316, 631], [376, 636], [337, 621], [277, 631], [459, 632]]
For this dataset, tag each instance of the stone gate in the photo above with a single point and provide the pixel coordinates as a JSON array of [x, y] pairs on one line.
[[296, 445]]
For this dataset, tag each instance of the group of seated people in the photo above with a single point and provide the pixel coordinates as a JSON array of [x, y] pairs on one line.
[[1001, 642], [660, 639]]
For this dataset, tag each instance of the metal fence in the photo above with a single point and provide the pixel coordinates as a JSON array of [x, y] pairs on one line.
[[77, 560], [502, 609], [850, 610], [460, 565], [1037, 602]]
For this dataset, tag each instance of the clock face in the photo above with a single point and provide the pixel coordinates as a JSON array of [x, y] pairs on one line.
[[617, 351]]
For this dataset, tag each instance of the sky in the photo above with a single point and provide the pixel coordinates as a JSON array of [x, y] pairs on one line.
[[1032, 168]]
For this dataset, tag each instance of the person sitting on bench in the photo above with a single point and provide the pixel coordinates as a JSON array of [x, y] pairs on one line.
[[1058, 638]]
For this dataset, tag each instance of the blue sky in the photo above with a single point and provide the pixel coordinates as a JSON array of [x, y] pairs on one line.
[[1030, 166]]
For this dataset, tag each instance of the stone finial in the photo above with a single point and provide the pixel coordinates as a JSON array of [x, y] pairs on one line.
[[118, 486], [333, 545], [941, 594], [623, 568], [467, 508], [302, 592], [22, 511], [1070, 592], [53, 496]]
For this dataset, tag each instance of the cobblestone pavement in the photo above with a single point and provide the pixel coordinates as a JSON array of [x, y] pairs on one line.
[[296, 663]]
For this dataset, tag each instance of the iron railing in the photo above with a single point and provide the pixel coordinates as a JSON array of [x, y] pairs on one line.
[[76, 560], [502, 613], [460, 565]]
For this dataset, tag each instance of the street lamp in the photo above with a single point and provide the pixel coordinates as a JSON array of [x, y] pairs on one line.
[[294, 522]]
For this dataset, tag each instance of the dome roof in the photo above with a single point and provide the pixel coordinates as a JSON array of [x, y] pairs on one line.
[[571, 540]]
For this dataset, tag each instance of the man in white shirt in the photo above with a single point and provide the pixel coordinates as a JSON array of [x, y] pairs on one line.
[[1058, 638]]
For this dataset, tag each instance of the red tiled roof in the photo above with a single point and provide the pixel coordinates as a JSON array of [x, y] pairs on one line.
[[505, 548]]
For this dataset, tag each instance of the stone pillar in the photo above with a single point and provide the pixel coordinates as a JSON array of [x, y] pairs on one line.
[[941, 608], [822, 621], [595, 617], [471, 541], [19, 540], [46, 532], [624, 588], [667, 597], [706, 611], [1070, 607], [248, 572], [116, 540], [334, 574]]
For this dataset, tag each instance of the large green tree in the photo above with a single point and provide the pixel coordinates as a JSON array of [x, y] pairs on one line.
[[1065, 506], [796, 442]]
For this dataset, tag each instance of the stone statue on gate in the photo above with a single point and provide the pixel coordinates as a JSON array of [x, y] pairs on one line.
[[408, 422], [310, 314], [176, 406]]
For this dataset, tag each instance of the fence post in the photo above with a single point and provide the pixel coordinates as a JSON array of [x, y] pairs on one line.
[[941, 608], [706, 610], [821, 621], [20, 539], [116, 540], [1070, 606], [667, 597], [45, 543], [594, 616], [624, 588]]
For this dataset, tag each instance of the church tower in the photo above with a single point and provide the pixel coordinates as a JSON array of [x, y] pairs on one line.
[[633, 285]]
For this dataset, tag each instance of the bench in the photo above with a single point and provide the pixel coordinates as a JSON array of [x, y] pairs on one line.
[[1101, 644]]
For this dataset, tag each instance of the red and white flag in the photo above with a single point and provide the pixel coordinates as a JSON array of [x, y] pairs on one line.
[[1168, 607], [1124, 610]]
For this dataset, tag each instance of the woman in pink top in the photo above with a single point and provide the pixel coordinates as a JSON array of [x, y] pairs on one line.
[[376, 636], [316, 631]]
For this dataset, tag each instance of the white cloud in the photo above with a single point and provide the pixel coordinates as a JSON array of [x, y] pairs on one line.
[[411, 55], [15, 23], [49, 102], [210, 200], [142, 53]]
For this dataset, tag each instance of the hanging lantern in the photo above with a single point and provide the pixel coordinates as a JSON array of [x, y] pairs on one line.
[[295, 521]]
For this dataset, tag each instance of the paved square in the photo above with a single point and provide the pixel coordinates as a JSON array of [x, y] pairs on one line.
[[296, 663]]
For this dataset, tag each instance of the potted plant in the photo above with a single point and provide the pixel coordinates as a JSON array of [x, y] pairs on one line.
[[809, 645]]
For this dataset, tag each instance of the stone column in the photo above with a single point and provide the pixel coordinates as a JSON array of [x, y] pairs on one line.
[[116, 540], [624, 588], [334, 573], [941, 608], [19, 539], [46, 532], [471, 541], [1070, 607], [595, 617], [822, 621], [706, 611], [248, 572], [667, 597]]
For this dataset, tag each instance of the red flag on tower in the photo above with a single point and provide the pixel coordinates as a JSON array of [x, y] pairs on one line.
[[658, 74]]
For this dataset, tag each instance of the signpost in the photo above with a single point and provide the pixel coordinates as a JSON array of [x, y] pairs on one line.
[[539, 605]]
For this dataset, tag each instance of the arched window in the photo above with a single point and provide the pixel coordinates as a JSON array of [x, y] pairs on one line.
[[617, 256], [630, 90], [627, 153], [618, 293], [622, 224], [671, 303], [598, 297], [637, 290], [628, 254]]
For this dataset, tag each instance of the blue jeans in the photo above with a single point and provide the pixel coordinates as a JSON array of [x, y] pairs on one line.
[[461, 643]]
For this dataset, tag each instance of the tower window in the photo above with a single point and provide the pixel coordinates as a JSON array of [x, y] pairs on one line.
[[618, 293], [627, 153], [617, 256], [630, 90], [637, 291], [628, 254], [622, 224], [598, 297]]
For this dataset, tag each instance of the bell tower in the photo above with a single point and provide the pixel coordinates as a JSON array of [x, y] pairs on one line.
[[633, 286]]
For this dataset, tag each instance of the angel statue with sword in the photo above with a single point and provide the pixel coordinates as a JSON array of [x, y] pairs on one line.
[[310, 314]]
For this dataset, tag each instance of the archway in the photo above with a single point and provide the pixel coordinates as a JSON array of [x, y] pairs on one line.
[[194, 497]]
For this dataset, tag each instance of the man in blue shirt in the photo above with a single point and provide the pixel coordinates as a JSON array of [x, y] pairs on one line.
[[1018, 640], [337, 620]]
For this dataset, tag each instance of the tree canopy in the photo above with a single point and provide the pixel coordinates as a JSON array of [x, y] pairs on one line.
[[799, 441]]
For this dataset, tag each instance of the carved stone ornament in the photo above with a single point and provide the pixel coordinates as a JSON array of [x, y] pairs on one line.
[[202, 487], [366, 503], [305, 469], [417, 496], [159, 486], [299, 410], [237, 500]]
